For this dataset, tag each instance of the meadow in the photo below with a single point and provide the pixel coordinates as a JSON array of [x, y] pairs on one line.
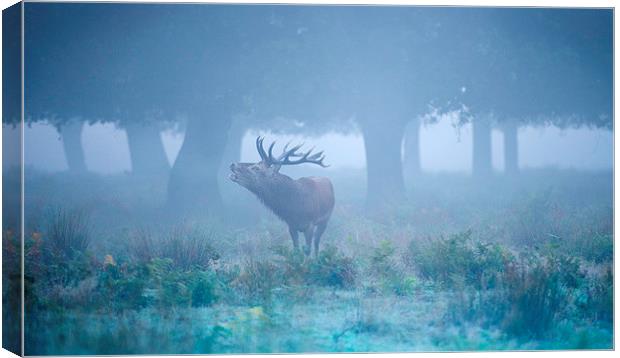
[[505, 263]]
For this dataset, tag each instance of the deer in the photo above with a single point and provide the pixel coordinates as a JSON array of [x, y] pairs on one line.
[[304, 204]]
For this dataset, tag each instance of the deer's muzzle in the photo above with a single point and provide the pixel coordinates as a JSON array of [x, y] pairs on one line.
[[234, 175]]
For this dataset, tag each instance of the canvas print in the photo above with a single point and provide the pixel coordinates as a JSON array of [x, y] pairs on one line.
[[228, 178]]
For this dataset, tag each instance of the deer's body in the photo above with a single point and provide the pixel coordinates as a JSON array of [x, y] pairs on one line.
[[300, 203], [305, 204]]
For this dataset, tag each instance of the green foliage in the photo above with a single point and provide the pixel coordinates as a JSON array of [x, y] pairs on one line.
[[59, 257], [68, 233], [598, 304], [540, 291], [256, 281], [529, 275], [574, 227], [172, 271], [598, 248], [458, 257], [526, 295], [169, 285], [381, 255], [388, 276], [158, 283], [332, 269], [203, 285], [121, 286], [292, 264], [11, 253], [71, 271], [533, 218], [186, 247], [70, 277]]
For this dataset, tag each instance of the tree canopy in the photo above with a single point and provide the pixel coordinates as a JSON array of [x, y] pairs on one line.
[[538, 65], [312, 69]]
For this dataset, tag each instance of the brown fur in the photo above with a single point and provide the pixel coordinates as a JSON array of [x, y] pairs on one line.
[[304, 204]]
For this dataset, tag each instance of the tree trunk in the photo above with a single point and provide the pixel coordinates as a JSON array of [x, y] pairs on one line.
[[383, 144], [233, 194], [511, 148], [482, 165], [232, 152], [411, 160], [71, 136], [193, 185], [146, 150]]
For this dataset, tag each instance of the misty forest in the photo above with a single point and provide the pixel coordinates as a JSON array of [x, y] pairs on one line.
[[264, 178]]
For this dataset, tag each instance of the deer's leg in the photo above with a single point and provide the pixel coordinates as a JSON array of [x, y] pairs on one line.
[[295, 237], [308, 234], [320, 229]]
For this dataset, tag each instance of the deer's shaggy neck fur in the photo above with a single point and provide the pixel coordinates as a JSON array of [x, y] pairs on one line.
[[284, 197]]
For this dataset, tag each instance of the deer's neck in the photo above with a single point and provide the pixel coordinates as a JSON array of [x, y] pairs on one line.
[[280, 195]]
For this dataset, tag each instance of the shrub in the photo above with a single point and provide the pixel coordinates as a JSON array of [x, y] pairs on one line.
[[292, 264], [539, 290], [132, 285], [203, 285], [332, 268], [11, 252], [143, 246], [525, 296], [122, 286], [441, 259], [60, 257], [167, 284], [533, 217], [457, 257], [11, 265], [384, 268], [598, 248], [68, 272], [599, 303], [256, 281], [381, 256], [81, 295], [488, 265], [187, 248], [129, 283], [68, 234]]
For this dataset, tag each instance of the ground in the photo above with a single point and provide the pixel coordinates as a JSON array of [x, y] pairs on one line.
[[502, 263]]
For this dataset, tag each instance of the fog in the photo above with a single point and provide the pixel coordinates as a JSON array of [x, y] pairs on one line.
[[443, 148], [214, 179]]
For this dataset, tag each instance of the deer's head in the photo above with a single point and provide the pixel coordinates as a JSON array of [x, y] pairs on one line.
[[254, 176]]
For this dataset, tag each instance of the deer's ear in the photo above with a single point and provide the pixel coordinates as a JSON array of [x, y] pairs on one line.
[[276, 168]]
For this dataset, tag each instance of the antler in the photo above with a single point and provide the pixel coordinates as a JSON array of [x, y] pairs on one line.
[[287, 154], [259, 148]]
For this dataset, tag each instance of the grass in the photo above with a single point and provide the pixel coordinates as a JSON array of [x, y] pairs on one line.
[[509, 264]]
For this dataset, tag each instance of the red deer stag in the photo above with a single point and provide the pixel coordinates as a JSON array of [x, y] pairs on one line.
[[304, 204]]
